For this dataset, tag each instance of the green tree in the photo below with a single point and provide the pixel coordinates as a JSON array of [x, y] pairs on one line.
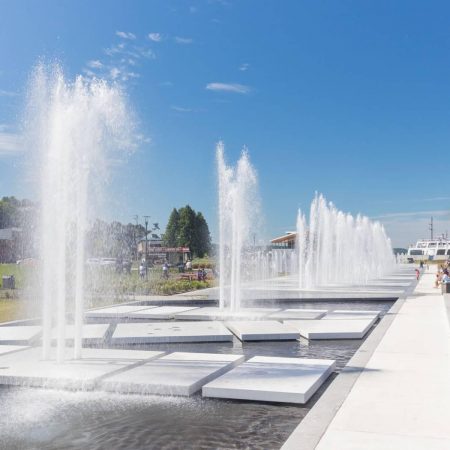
[[203, 237], [171, 236], [186, 228]]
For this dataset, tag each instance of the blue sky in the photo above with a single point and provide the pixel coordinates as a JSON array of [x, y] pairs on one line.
[[349, 98]]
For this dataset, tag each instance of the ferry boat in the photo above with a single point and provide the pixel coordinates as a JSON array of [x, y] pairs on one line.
[[429, 249]]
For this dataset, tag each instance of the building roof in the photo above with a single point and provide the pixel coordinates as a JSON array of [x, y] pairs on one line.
[[288, 237]]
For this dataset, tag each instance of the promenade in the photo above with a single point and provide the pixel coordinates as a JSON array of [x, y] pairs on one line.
[[401, 398]]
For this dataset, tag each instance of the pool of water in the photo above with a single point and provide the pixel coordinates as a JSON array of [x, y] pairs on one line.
[[51, 419]]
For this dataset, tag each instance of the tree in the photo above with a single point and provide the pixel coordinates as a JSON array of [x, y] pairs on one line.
[[203, 238], [172, 229], [187, 229]]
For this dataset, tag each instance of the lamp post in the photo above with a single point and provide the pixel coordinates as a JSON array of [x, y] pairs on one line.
[[146, 244]]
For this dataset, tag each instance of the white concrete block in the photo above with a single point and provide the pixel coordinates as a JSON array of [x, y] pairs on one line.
[[351, 314], [178, 373], [19, 335], [118, 311], [27, 368], [272, 379], [173, 332], [298, 314], [216, 313], [93, 334], [160, 312], [332, 328], [4, 349], [262, 330]]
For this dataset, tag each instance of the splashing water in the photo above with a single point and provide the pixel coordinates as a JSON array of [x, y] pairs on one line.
[[76, 125], [238, 206], [339, 248]]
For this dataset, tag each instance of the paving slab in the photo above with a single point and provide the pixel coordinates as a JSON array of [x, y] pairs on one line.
[[413, 414], [298, 313], [27, 368], [262, 330], [173, 332], [118, 311], [178, 373], [19, 335], [343, 314], [216, 313], [160, 312], [332, 328], [93, 334], [272, 379]]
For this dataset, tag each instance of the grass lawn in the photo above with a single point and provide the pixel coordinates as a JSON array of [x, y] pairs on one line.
[[14, 309]]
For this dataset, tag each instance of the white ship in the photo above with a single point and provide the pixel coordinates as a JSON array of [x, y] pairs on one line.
[[430, 249]]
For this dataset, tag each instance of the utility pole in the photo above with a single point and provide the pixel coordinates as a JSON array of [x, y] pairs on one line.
[[136, 219], [431, 228], [146, 243]]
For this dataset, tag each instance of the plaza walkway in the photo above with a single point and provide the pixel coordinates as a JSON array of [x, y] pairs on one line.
[[401, 400]]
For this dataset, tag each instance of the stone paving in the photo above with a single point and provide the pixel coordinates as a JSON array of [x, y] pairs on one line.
[[401, 399]]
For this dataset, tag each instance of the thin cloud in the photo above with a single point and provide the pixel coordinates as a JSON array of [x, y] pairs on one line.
[[412, 214], [95, 64], [244, 67], [155, 37], [126, 35], [183, 40], [10, 143], [181, 109], [228, 87], [4, 93], [114, 73]]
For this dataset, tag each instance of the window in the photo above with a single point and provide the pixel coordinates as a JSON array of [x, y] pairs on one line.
[[421, 245], [440, 252], [432, 244], [416, 252], [448, 252]]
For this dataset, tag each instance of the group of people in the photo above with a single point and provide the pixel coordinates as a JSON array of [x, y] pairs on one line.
[[442, 275], [201, 272]]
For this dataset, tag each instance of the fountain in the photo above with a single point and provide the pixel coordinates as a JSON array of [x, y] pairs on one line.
[[238, 206], [338, 248], [75, 126]]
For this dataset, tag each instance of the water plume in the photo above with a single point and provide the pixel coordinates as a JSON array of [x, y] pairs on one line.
[[76, 127]]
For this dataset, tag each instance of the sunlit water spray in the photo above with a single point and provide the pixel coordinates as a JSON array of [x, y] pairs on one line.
[[238, 207], [76, 126], [337, 248]]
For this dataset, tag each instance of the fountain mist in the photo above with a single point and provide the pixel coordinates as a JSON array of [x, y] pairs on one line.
[[75, 126], [238, 206], [338, 248]]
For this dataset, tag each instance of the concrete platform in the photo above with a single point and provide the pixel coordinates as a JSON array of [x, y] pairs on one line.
[[93, 334], [173, 332], [349, 314], [115, 312], [298, 314], [26, 368], [160, 312], [390, 405], [4, 349], [332, 328], [176, 374], [262, 330], [19, 335], [215, 313], [272, 379]]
